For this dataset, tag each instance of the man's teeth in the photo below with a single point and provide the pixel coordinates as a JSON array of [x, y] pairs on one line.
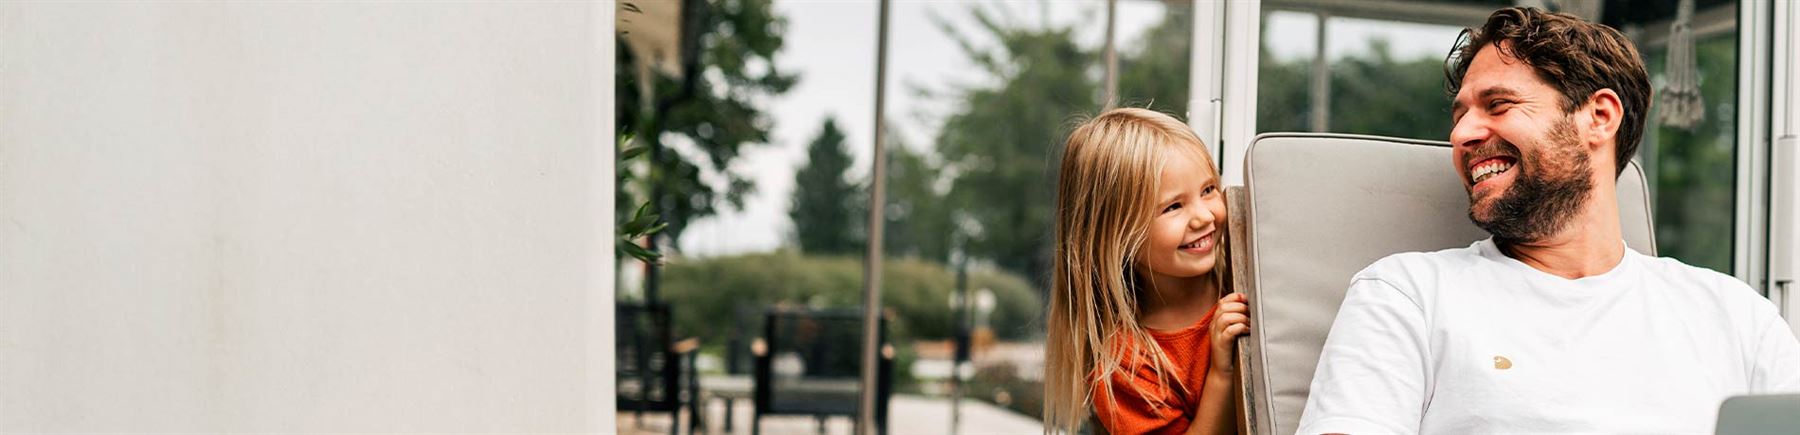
[[1488, 170]]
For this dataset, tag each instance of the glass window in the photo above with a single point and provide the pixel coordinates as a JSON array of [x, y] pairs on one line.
[[1376, 67], [1322, 72], [1690, 157], [767, 182]]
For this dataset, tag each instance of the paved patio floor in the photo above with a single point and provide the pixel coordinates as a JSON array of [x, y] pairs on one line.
[[909, 415]]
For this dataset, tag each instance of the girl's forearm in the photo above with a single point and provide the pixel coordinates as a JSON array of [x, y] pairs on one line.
[[1215, 415]]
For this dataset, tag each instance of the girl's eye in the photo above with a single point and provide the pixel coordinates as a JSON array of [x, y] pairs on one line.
[[1172, 207], [1209, 190]]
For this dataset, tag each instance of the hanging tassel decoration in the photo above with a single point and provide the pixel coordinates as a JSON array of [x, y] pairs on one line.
[[1682, 106]]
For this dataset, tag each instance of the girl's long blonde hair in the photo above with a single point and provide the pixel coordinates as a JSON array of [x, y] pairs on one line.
[[1105, 195]]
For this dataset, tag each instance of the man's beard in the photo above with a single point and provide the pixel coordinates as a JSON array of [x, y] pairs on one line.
[[1551, 187]]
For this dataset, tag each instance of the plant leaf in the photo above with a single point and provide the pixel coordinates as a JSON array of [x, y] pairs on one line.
[[633, 152], [638, 252], [643, 210]]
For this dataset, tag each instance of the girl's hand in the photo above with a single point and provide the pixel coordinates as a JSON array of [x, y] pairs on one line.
[[1232, 321]]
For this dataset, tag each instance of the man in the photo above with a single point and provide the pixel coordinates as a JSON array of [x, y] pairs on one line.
[[1551, 325]]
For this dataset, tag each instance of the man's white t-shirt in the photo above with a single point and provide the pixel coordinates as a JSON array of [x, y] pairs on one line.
[[1472, 341]]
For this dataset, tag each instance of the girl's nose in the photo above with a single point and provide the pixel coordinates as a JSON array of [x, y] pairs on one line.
[[1201, 218]]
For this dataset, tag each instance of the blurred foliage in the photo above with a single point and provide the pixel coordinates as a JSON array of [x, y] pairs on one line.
[[1694, 171], [824, 209], [730, 48], [1002, 142], [1370, 94], [1384, 96], [1153, 69], [709, 293], [918, 220]]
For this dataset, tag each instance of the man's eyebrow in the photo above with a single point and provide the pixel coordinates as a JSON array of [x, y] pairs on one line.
[[1498, 91]]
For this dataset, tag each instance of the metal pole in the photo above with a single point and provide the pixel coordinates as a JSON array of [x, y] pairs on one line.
[[1321, 79], [1112, 56], [961, 354], [865, 420]]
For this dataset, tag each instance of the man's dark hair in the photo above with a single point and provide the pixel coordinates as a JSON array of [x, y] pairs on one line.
[[1574, 56]]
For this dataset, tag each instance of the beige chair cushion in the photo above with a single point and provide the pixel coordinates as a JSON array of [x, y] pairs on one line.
[[1317, 208]]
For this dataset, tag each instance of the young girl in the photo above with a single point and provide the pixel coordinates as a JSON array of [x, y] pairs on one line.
[[1140, 327]]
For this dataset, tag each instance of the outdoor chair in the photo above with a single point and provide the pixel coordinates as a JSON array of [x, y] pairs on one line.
[[655, 373], [1317, 208], [809, 363], [739, 363]]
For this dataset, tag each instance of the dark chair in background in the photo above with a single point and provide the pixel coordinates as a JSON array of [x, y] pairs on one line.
[[655, 372], [808, 363]]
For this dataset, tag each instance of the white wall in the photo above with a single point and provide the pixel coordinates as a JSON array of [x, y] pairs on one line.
[[296, 217]]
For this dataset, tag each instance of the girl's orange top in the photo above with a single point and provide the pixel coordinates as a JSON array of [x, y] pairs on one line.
[[1190, 350]]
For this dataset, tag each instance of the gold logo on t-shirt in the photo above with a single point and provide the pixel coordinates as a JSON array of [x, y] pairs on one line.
[[1501, 363]]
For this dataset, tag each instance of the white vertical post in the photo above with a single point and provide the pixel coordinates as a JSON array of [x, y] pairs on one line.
[[1784, 198], [1205, 75], [602, 399], [1750, 252], [1243, 26]]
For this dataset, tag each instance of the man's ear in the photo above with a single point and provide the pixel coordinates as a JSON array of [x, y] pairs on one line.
[[1605, 113]]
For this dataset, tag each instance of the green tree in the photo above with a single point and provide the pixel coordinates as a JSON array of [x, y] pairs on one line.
[[1381, 95], [918, 220], [1281, 93], [1374, 93], [728, 64], [825, 206], [1153, 74], [1003, 141]]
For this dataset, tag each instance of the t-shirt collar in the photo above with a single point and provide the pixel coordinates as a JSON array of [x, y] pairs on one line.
[[1489, 250]]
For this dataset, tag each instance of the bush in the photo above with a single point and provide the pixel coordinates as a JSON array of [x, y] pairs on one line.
[[707, 293]]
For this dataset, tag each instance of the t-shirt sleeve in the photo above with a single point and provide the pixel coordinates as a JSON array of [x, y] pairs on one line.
[[1777, 366], [1128, 411], [1371, 374]]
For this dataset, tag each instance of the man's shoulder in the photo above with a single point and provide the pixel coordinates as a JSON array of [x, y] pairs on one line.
[[1412, 264], [1418, 275], [1680, 276]]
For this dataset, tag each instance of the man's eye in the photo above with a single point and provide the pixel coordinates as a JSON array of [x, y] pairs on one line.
[[1499, 105]]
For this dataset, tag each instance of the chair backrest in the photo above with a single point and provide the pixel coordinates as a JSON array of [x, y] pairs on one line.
[[1317, 208], [647, 371], [813, 362]]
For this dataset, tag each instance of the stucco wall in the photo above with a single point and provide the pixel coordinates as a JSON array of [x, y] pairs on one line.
[[305, 217]]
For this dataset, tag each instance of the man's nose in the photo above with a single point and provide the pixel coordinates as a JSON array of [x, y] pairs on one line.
[[1470, 130]]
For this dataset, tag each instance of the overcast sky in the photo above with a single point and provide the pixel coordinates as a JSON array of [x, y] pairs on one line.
[[831, 44]]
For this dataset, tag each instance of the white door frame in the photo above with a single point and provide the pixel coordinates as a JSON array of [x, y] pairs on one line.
[[1222, 82], [1750, 250], [1784, 186]]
